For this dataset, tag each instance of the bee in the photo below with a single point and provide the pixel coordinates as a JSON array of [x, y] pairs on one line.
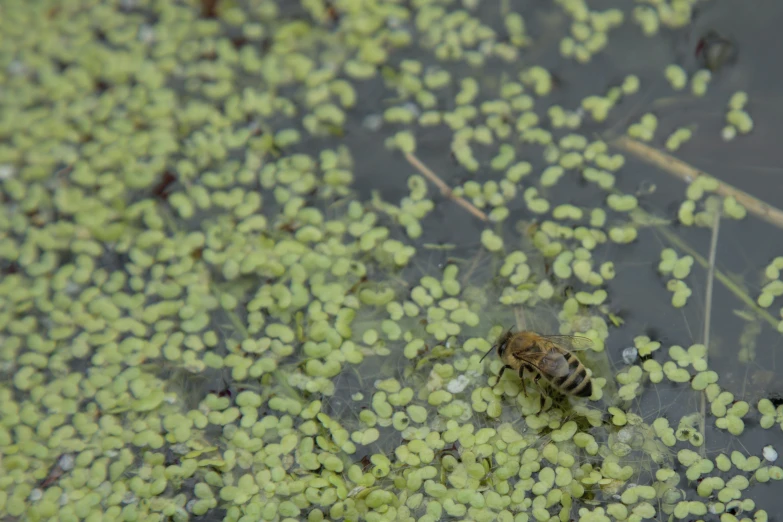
[[548, 356]]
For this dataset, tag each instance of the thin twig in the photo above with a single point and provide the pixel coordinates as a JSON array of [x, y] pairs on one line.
[[688, 174], [708, 317], [444, 189]]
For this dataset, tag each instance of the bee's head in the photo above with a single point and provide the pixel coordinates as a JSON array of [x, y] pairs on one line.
[[503, 342], [500, 345]]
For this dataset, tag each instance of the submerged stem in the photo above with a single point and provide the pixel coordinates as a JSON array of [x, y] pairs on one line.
[[733, 287], [708, 317]]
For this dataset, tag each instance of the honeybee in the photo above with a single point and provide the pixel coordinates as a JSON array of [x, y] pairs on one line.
[[548, 356]]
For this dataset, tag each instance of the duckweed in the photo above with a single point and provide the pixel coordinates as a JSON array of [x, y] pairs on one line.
[[246, 337]]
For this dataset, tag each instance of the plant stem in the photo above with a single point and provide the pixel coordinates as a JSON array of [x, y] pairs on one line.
[[688, 174], [444, 189], [733, 287], [708, 317]]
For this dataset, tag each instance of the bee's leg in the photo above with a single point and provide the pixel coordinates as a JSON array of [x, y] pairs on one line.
[[522, 379], [542, 396], [503, 369]]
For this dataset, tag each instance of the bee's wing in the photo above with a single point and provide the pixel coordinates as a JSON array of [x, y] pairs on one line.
[[554, 364], [574, 343]]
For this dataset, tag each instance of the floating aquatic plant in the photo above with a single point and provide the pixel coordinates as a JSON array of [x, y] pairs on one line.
[[200, 315]]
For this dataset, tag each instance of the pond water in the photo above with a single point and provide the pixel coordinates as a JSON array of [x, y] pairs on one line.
[[253, 253]]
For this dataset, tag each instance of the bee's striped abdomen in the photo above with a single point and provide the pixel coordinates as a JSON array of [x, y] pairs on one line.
[[576, 382]]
